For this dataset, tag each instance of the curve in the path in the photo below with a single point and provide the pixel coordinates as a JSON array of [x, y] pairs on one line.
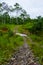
[[23, 56]]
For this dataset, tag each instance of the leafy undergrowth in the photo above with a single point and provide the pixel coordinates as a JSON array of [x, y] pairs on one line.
[[9, 43], [10, 26], [37, 47], [35, 41]]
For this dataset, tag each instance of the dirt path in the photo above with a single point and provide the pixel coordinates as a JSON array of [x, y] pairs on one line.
[[23, 56]]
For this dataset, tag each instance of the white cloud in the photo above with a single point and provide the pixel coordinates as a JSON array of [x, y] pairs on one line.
[[33, 7]]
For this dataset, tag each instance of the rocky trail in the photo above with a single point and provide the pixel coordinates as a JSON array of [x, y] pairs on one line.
[[24, 55]]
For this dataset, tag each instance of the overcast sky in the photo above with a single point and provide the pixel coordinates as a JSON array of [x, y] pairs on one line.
[[33, 7]]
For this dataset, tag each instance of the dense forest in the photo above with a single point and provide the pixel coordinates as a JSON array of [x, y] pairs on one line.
[[25, 23]]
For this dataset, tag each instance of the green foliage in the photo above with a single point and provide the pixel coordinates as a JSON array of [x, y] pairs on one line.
[[36, 45], [35, 26], [5, 18], [9, 42], [10, 33], [1, 33], [38, 52], [0, 4]]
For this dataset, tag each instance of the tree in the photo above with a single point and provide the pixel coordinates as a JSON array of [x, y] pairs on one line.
[[17, 9], [6, 18], [1, 9], [24, 15], [0, 4]]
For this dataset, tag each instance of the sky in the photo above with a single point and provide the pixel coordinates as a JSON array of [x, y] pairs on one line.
[[33, 7]]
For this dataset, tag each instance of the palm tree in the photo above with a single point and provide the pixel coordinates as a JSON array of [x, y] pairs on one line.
[[17, 9], [1, 9], [24, 15], [0, 4]]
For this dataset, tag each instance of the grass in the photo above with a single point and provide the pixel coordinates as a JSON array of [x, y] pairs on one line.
[[36, 44], [9, 44], [37, 47], [11, 26]]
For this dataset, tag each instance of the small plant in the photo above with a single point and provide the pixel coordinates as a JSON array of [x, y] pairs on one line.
[[1, 33], [10, 33]]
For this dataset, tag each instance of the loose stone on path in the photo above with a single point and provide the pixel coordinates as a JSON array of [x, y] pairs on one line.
[[23, 56]]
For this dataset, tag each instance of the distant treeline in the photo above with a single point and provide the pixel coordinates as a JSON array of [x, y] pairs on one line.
[[33, 25], [5, 18]]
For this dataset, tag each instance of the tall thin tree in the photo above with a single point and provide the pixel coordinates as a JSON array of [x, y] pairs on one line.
[[17, 9]]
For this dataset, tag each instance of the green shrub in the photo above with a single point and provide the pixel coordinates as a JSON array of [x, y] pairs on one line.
[[10, 33], [1, 33]]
